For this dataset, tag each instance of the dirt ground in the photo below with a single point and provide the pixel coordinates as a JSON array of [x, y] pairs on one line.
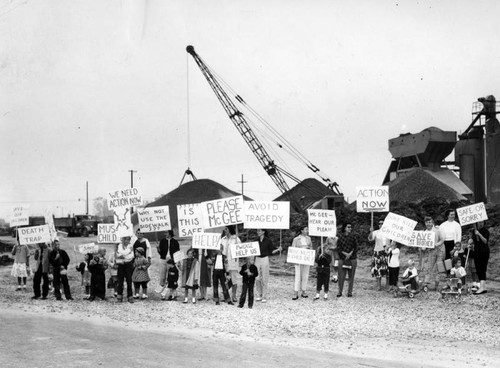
[[371, 329]]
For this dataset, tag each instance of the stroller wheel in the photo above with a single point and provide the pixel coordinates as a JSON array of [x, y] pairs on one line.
[[426, 289], [411, 295]]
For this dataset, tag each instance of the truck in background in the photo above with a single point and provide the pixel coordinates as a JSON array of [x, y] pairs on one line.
[[78, 225]]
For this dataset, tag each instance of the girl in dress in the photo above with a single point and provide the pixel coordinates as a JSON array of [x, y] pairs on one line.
[[190, 275], [140, 276], [20, 269]]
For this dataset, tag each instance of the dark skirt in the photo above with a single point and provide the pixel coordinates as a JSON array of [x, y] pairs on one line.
[[205, 279]]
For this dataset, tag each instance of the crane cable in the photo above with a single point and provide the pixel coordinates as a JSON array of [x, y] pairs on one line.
[[281, 141]]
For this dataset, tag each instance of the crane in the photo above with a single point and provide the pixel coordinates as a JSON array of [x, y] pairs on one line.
[[240, 122]]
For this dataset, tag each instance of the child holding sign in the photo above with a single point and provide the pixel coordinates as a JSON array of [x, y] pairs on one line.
[[249, 273], [323, 259]]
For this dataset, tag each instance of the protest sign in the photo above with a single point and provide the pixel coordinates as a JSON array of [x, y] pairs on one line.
[[398, 228], [300, 256], [266, 215], [34, 234], [242, 250], [372, 199], [49, 220], [88, 248], [189, 219], [206, 241], [423, 239], [322, 223], [222, 212], [106, 233], [123, 222], [472, 214], [124, 198], [20, 216], [179, 256], [153, 219]]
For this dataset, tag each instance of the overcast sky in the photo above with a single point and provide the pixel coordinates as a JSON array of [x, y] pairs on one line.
[[91, 89]]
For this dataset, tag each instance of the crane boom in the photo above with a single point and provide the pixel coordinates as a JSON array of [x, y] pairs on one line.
[[241, 124]]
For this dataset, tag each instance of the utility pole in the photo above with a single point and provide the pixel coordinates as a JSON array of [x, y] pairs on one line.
[[132, 185], [87, 202], [242, 183]]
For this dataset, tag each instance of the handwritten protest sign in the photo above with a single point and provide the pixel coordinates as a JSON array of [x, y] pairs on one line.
[[129, 197], [179, 256], [300, 256], [222, 212], [189, 219], [472, 214], [206, 241], [266, 215], [106, 233], [123, 222], [372, 199], [398, 228], [322, 223], [242, 250], [153, 219], [422, 239], [49, 220], [34, 234], [20, 216], [88, 248]]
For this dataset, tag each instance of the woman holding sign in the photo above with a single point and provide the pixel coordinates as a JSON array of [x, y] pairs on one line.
[[480, 237], [303, 240], [347, 247]]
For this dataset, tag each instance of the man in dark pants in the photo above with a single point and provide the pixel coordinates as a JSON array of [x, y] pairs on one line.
[[219, 275], [249, 272], [59, 260], [41, 271]]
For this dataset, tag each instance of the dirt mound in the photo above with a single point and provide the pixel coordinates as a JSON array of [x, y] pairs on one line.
[[306, 192], [419, 185]]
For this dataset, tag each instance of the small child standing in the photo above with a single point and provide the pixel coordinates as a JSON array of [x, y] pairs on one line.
[[21, 267], [393, 266], [190, 275], [97, 267], [83, 268], [323, 259], [113, 272], [140, 276], [458, 271], [410, 276], [249, 272], [172, 281]]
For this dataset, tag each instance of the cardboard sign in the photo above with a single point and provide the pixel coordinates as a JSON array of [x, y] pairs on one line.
[[242, 250], [301, 256], [266, 215], [179, 256], [123, 222], [372, 199], [34, 234], [154, 219], [322, 223], [189, 219], [20, 216], [106, 233], [49, 220], [222, 212], [398, 228], [206, 241], [88, 248], [423, 239], [129, 197], [472, 214]]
